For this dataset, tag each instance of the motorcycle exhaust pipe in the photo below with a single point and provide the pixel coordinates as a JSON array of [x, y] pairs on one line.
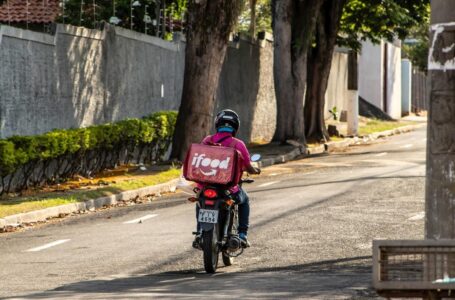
[[234, 243]]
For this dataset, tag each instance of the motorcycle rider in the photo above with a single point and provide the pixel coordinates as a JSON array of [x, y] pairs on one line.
[[227, 124]]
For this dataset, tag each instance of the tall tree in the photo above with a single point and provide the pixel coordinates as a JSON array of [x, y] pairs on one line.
[[293, 23], [210, 22], [346, 23], [320, 62], [252, 29]]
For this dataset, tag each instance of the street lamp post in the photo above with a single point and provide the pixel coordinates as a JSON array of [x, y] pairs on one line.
[[145, 18], [157, 17], [81, 12], [114, 20], [94, 14], [132, 6], [9, 14], [27, 12]]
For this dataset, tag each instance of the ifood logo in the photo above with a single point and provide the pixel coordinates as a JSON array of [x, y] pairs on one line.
[[201, 160]]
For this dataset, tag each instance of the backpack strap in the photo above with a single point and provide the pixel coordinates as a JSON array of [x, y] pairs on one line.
[[223, 139], [211, 142]]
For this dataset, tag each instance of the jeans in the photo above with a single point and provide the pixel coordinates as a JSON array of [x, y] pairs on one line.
[[243, 202]]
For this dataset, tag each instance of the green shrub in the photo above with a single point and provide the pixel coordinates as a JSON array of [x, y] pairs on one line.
[[8, 160], [74, 144]]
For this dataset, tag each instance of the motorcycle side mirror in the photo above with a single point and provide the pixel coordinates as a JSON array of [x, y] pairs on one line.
[[255, 157]]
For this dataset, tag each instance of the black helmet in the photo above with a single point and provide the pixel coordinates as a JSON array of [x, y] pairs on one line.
[[227, 118]]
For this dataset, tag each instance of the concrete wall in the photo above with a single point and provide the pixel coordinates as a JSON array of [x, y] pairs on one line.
[[27, 84], [371, 67], [246, 86], [79, 77], [394, 80], [372, 80], [406, 86], [337, 93]]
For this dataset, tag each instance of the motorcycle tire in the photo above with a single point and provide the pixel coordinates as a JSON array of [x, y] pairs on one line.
[[210, 249], [227, 260]]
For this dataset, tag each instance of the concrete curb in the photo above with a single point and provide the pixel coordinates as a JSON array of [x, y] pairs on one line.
[[333, 146], [52, 212], [280, 158]]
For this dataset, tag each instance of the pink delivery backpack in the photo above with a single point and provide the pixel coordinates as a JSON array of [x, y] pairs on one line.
[[213, 164]]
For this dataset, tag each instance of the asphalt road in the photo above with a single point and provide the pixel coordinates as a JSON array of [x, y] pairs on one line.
[[312, 226]]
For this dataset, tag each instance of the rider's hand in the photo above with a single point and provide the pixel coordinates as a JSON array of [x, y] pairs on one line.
[[258, 171]]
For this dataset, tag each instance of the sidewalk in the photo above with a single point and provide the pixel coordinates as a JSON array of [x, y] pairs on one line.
[[273, 153]]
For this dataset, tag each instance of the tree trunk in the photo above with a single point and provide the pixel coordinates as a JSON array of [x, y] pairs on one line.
[[252, 29], [210, 23], [320, 58], [293, 25], [440, 180]]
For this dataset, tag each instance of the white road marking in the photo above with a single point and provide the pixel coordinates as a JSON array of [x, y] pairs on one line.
[[417, 217], [177, 280], [381, 154], [48, 245], [309, 173], [141, 219], [273, 174], [267, 183], [407, 146]]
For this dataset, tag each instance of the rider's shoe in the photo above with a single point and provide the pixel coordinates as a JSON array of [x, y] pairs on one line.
[[197, 241], [243, 237]]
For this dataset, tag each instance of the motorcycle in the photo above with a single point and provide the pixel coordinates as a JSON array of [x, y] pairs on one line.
[[218, 219]]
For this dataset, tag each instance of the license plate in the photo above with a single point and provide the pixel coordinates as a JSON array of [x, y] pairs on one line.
[[208, 216]]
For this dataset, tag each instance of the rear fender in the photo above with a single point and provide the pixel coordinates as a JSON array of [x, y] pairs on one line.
[[207, 226]]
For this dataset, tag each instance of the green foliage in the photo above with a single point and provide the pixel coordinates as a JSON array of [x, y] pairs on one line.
[[21, 150], [91, 14], [416, 46], [334, 113], [377, 19], [177, 9], [8, 161], [263, 17]]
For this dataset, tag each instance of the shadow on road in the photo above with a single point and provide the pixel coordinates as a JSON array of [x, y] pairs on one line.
[[296, 186], [347, 278]]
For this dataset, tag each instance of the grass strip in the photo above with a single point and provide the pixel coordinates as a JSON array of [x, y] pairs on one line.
[[374, 125], [27, 204]]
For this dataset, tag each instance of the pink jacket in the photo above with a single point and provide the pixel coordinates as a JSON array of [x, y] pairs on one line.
[[230, 141]]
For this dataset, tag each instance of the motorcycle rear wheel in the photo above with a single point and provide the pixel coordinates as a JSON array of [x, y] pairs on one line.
[[210, 249]]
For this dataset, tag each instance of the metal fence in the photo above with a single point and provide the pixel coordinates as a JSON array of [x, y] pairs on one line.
[[410, 268], [420, 91]]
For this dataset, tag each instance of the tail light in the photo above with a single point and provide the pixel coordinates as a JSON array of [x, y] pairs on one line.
[[209, 193], [209, 202]]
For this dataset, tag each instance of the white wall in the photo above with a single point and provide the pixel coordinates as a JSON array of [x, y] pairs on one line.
[[371, 76], [371, 73], [406, 84], [394, 80], [337, 93]]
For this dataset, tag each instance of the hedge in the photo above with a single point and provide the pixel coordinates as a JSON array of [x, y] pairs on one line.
[[61, 154]]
